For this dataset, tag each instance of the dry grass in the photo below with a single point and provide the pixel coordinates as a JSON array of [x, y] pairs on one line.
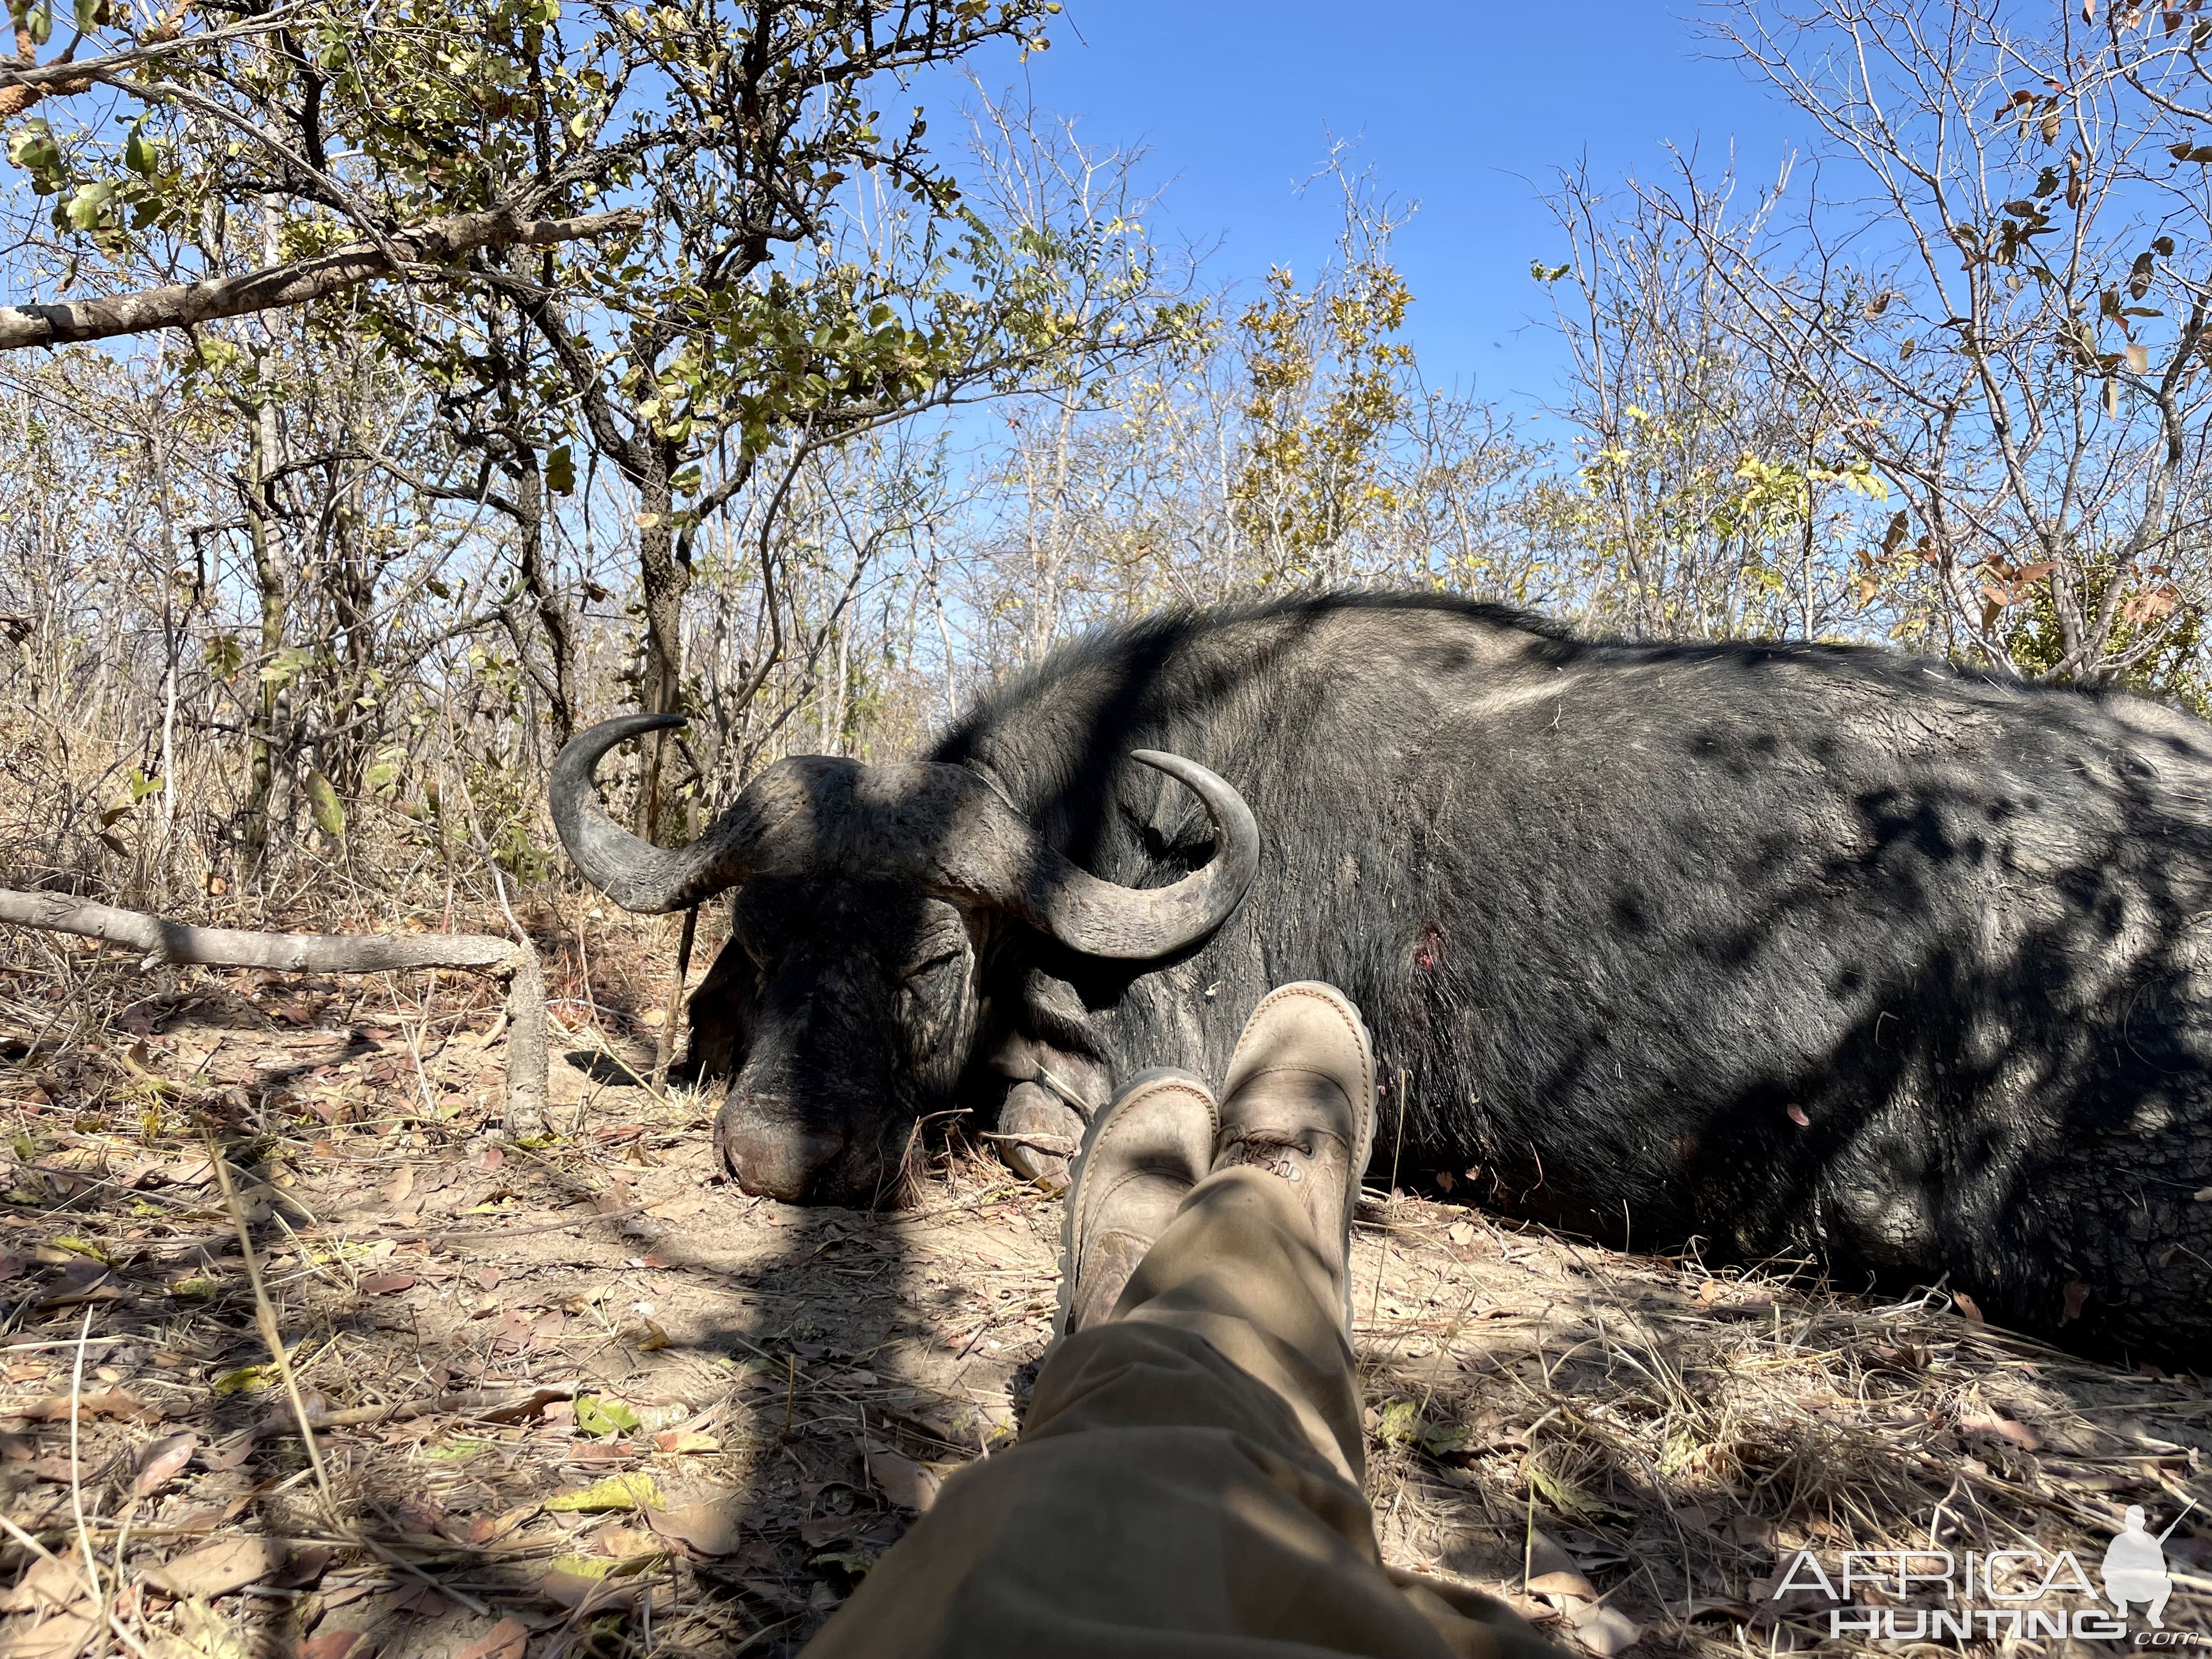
[[477, 1329], [1683, 1434]]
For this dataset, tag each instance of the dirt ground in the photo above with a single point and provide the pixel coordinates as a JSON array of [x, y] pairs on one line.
[[581, 1396]]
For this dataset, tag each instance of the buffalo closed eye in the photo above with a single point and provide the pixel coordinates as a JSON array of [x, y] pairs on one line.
[[928, 994]]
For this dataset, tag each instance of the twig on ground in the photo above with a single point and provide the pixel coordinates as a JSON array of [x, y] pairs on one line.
[[271, 1333], [76, 1480]]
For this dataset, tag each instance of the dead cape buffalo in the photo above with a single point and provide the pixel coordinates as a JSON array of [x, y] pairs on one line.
[[1790, 949]]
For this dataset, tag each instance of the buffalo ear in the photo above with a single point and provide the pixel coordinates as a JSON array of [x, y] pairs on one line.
[[721, 1013]]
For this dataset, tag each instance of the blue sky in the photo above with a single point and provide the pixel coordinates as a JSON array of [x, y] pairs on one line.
[[1464, 107]]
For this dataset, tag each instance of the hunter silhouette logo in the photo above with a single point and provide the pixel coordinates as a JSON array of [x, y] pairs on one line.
[[2030, 1593], [2135, 1566]]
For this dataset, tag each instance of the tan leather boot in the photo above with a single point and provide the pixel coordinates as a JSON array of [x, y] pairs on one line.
[[1298, 1101], [1142, 1156]]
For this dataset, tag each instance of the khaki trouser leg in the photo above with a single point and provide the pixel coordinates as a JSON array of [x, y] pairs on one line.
[[1187, 1483]]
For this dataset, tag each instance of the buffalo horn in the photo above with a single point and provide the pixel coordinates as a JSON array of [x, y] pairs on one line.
[[936, 825], [633, 873], [1101, 919], [981, 848]]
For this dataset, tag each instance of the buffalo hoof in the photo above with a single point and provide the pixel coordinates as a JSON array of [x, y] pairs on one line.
[[1038, 1133]]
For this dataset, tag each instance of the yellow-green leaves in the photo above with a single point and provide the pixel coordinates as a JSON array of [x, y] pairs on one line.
[[34, 148], [617, 1491], [35, 20], [84, 207], [1326, 387], [604, 1414], [323, 804], [139, 152]]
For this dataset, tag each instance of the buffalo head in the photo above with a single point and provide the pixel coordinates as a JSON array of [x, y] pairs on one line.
[[870, 899]]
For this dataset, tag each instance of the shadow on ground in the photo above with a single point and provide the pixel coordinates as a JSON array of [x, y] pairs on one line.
[[584, 1398]]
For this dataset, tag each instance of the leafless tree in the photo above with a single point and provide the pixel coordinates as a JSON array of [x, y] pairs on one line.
[[1993, 285]]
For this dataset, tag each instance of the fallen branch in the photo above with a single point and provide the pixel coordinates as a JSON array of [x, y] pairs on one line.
[[512, 962], [436, 244], [489, 1405]]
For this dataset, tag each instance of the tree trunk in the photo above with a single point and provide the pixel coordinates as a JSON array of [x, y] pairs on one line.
[[269, 590], [552, 614], [351, 574], [665, 578]]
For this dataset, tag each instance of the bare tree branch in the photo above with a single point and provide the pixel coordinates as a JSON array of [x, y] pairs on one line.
[[22, 86], [431, 245]]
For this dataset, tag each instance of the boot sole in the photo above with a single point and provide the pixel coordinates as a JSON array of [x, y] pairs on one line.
[[1365, 1107], [1079, 1170]]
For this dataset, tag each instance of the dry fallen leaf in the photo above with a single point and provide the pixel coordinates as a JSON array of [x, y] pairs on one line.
[[908, 1483], [573, 1580], [334, 1644], [1562, 1585], [1602, 1630], [504, 1640], [99, 1290], [204, 1633], [219, 1459], [685, 1440], [386, 1284], [2004, 1428], [55, 1409], [1548, 1557], [419, 1516], [64, 1635], [622, 1541], [820, 1530], [491, 1528], [304, 1567], [216, 1568], [423, 1601], [163, 1459], [707, 1529], [53, 1582]]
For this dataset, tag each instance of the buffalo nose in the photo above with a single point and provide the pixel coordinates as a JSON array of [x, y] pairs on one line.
[[770, 1155]]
